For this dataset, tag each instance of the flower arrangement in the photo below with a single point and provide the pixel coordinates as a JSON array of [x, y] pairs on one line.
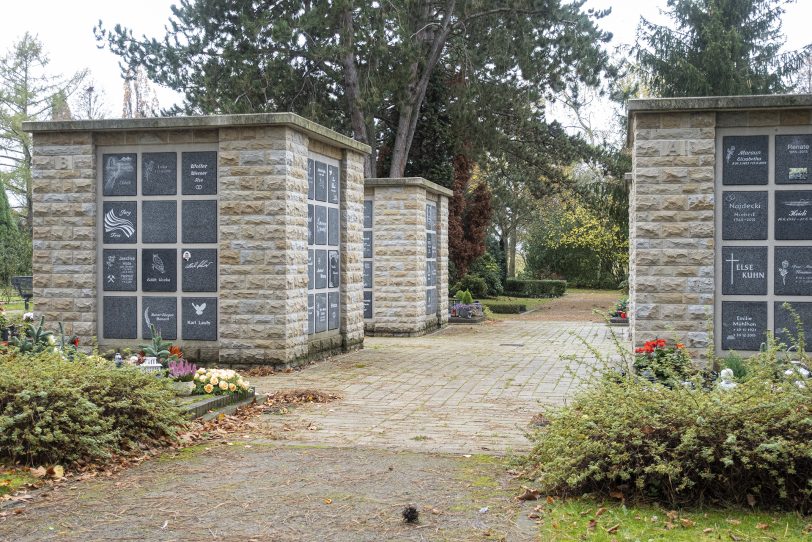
[[621, 310], [182, 370], [659, 362], [219, 381]]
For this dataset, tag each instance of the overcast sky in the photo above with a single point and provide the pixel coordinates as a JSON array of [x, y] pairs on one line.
[[66, 29]]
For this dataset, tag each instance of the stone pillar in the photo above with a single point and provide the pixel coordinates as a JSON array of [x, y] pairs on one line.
[[404, 303]]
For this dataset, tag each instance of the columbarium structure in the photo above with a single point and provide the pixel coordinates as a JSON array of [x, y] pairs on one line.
[[405, 256], [720, 219], [238, 237]]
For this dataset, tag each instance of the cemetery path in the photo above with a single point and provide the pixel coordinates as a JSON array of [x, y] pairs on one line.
[[576, 306]]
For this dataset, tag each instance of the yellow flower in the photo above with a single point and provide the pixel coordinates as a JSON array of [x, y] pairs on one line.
[[214, 381], [208, 388], [223, 385], [232, 387]]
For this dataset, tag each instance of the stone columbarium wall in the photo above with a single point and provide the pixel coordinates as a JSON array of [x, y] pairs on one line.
[[201, 226], [405, 256], [720, 219]]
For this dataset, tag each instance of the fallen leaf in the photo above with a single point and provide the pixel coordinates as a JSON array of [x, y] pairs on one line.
[[56, 472], [600, 511], [533, 515], [668, 525], [751, 500], [550, 500], [707, 530], [435, 511], [328, 501], [5, 483], [672, 515], [762, 526], [528, 494], [591, 525], [613, 529], [734, 538], [39, 472], [163, 527], [733, 521], [687, 523], [617, 495]]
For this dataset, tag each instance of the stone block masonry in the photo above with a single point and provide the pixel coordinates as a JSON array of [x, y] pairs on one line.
[[256, 203]]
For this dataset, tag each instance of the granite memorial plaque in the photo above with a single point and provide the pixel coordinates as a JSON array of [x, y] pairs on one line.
[[744, 270], [332, 184], [119, 174], [368, 214], [199, 173], [199, 270], [793, 214], [199, 318], [431, 216], [311, 178], [120, 317], [367, 304], [311, 310], [785, 329], [746, 159], [431, 297], [320, 275], [431, 274], [311, 224], [430, 245], [159, 270], [310, 267], [332, 310], [159, 173], [332, 226], [793, 271], [120, 270], [321, 225], [367, 244], [335, 275], [321, 312], [792, 159], [744, 215], [367, 274], [120, 222], [199, 221], [321, 181], [159, 222], [744, 324], [161, 312]]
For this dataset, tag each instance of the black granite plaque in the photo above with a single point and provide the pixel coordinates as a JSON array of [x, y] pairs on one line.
[[199, 318], [332, 225], [161, 312], [744, 270], [119, 174], [745, 160], [785, 329], [431, 274], [367, 274], [431, 300], [744, 215], [332, 310], [431, 216], [321, 225], [159, 173], [321, 181], [793, 271], [367, 304], [321, 271], [311, 310], [335, 266], [367, 244], [159, 270], [430, 245], [793, 214], [368, 214], [744, 324], [310, 268], [120, 270], [159, 222], [332, 184], [311, 225], [199, 269], [120, 317], [793, 159], [311, 178], [120, 222], [199, 173], [321, 312], [199, 221]]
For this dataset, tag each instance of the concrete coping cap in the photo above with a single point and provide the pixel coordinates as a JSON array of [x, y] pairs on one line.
[[408, 181], [720, 103], [291, 120]]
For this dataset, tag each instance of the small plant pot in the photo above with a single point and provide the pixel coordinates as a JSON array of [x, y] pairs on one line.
[[183, 389]]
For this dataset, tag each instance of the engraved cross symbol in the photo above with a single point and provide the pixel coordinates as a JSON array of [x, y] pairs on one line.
[[732, 261]]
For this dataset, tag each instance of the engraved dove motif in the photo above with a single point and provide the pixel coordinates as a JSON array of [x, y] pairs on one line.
[[199, 308]]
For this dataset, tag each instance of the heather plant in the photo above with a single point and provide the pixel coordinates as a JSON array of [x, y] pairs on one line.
[[182, 370]]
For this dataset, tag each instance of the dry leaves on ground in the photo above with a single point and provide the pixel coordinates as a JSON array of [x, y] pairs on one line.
[[300, 395]]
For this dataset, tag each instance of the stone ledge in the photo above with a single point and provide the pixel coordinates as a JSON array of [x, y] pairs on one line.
[[313, 130], [408, 181], [719, 103]]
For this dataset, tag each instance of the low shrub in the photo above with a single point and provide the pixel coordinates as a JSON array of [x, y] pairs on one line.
[[474, 284], [750, 443], [535, 288], [53, 410], [487, 268], [506, 308]]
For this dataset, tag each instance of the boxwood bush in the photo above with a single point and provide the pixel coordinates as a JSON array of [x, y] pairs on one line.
[[55, 411], [506, 308], [535, 288], [683, 444]]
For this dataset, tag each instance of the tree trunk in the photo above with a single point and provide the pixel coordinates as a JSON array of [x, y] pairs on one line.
[[351, 87], [511, 261]]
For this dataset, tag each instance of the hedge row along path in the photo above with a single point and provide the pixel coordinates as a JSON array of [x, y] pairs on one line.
[[422, 421]]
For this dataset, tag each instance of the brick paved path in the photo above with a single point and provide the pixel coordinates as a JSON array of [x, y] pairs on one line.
[[466, 389]]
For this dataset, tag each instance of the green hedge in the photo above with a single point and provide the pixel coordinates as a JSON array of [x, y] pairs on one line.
[[506, 308], [535, 288]]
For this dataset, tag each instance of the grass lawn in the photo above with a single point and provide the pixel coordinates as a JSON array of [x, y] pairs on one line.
[[12, 479], [17, 304], [585, 519]]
